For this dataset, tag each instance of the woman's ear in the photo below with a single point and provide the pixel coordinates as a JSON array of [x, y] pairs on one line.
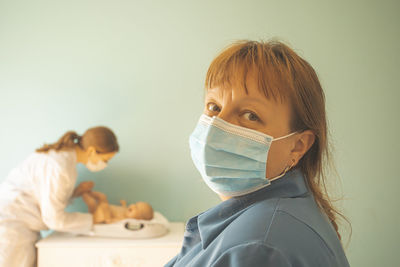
[[302, 144], [90, 150]]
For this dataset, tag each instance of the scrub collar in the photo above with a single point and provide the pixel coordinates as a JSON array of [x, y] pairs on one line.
[[211, 222]]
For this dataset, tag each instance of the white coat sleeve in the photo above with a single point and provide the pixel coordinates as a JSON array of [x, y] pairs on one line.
[[55, 189]]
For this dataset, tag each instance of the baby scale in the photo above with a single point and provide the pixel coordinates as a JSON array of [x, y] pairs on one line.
[[133, 228]]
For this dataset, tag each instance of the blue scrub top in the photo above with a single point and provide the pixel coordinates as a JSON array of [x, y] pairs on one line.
[[279, 225]]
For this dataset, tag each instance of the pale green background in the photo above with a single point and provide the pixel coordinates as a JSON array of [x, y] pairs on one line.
[[138, 67]]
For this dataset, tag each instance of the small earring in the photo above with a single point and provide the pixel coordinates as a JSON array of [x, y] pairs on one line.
[[293, 162], [291, 165], [287, 168]]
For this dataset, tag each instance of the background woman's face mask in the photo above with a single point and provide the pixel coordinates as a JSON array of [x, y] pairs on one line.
[[95, 167], [100, 165], [231, 159]]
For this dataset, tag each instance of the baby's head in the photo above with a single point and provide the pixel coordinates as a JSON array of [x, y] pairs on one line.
[[140, 210]]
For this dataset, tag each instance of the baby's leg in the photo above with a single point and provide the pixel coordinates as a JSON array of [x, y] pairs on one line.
[[90, 201], [102, 213], [100, 197]]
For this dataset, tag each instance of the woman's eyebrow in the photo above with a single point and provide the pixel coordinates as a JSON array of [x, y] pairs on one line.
[[257, 103], [260, 106], [215, 93], [211, 99], [212, 96]]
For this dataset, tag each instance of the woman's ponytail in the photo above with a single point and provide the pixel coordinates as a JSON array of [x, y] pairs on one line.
[[68, 140]]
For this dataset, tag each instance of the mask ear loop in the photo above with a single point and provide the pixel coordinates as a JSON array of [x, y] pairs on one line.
[[284, 171]]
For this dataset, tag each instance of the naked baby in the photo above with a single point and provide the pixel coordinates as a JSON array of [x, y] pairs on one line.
[[103, 212]]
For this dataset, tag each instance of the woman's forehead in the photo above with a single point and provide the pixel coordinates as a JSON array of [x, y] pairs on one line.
[[269, 86], [238, 96], [249, 91]]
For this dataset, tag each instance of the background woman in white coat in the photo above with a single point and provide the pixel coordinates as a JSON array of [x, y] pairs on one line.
[[35, 194]]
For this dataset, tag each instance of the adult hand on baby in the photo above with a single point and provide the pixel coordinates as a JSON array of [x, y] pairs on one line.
[[82, 188]]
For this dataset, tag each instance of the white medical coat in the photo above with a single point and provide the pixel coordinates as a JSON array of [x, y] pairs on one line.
[[33, 197]]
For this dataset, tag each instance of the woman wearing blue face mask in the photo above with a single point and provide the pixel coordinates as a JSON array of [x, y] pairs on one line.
[[261, 145], [34, 195]]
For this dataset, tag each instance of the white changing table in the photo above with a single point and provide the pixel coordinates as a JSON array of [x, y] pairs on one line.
[[66, 250]]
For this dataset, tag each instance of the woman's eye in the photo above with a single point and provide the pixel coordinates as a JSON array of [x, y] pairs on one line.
[[213, 107], [251, 116]]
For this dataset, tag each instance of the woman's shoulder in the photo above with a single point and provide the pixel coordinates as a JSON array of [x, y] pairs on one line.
[[294, 226], [58, 161], [262, 216], [283, 215]]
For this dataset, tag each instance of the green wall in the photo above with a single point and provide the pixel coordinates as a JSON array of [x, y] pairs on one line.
[[138, 67]]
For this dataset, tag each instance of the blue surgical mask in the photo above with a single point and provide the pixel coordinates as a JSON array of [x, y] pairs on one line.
[[231, 159]]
